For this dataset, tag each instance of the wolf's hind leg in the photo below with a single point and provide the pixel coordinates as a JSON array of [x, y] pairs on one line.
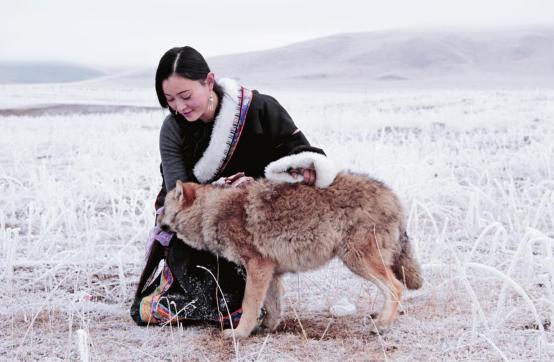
[[259, 273], [272, 304], [370, 266]]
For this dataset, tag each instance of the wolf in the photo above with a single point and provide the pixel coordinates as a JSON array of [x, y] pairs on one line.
[[273, 228]]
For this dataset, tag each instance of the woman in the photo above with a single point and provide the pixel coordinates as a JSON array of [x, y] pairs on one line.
[[217, 132]]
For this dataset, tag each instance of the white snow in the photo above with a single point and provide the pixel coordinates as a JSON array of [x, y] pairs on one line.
[[342, 307], [474, 168]]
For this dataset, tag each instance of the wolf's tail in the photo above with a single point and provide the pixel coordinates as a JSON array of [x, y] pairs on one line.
[[405, 266]]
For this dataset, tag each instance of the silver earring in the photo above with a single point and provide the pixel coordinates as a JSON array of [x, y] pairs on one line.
[[211, 103]]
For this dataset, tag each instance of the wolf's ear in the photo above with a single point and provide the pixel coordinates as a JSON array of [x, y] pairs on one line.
[[186, 192], [179, 191], [189, 193], [178, 188]]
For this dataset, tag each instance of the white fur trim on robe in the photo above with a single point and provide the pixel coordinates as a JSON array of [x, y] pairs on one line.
[[325, 169], [212, 159]]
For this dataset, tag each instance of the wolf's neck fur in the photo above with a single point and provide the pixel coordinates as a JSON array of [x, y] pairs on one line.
[[222, 210], [189, 226]]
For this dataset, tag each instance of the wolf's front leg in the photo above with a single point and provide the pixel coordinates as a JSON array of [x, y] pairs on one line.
[[259, 273], [272, 304]]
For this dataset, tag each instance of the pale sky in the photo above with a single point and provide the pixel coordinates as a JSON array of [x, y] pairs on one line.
[[104, 33]]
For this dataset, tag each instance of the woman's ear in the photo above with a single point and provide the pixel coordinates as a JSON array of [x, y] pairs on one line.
[[210, 78]]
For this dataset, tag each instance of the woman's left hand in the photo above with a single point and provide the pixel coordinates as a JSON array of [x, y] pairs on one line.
[[308, 175]]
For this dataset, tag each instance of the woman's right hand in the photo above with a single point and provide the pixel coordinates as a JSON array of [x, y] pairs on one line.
[[237, 180], [308, 175]]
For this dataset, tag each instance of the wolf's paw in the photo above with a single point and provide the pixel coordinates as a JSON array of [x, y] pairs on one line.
[[271, 322], [228, 333], [380, 327], [237, 333]]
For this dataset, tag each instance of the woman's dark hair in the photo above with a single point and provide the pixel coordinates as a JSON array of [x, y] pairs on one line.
[[186, 62]]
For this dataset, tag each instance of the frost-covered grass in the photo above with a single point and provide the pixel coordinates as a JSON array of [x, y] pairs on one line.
[[475, 170]]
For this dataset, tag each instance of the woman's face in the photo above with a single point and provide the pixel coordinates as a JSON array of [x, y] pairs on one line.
[[189, 97]]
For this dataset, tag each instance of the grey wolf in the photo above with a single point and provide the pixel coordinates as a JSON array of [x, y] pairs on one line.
[[273, 228]]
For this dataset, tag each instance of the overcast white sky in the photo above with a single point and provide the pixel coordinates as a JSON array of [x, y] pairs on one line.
[[105, 33]]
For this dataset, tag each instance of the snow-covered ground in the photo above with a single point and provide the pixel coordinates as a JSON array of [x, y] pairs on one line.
[[475, 169]]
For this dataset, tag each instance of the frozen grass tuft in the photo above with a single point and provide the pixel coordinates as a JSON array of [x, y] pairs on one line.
[[475, 170], [82, 340]]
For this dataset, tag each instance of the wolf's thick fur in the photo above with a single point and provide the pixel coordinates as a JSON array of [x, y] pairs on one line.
[[273, 228]]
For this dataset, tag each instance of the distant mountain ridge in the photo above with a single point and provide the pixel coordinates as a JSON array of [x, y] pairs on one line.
[[398, 58], [402, 56], [45, 72]]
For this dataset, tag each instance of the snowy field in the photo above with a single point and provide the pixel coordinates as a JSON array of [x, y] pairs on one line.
[[474, 168]]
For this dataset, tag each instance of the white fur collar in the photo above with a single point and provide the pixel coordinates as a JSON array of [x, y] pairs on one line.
[[216, 152]]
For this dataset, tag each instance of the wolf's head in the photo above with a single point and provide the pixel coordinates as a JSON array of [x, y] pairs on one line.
[[177, 201]]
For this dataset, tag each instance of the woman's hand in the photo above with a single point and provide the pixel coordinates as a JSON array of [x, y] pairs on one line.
[[308, 174], [236, 180]]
